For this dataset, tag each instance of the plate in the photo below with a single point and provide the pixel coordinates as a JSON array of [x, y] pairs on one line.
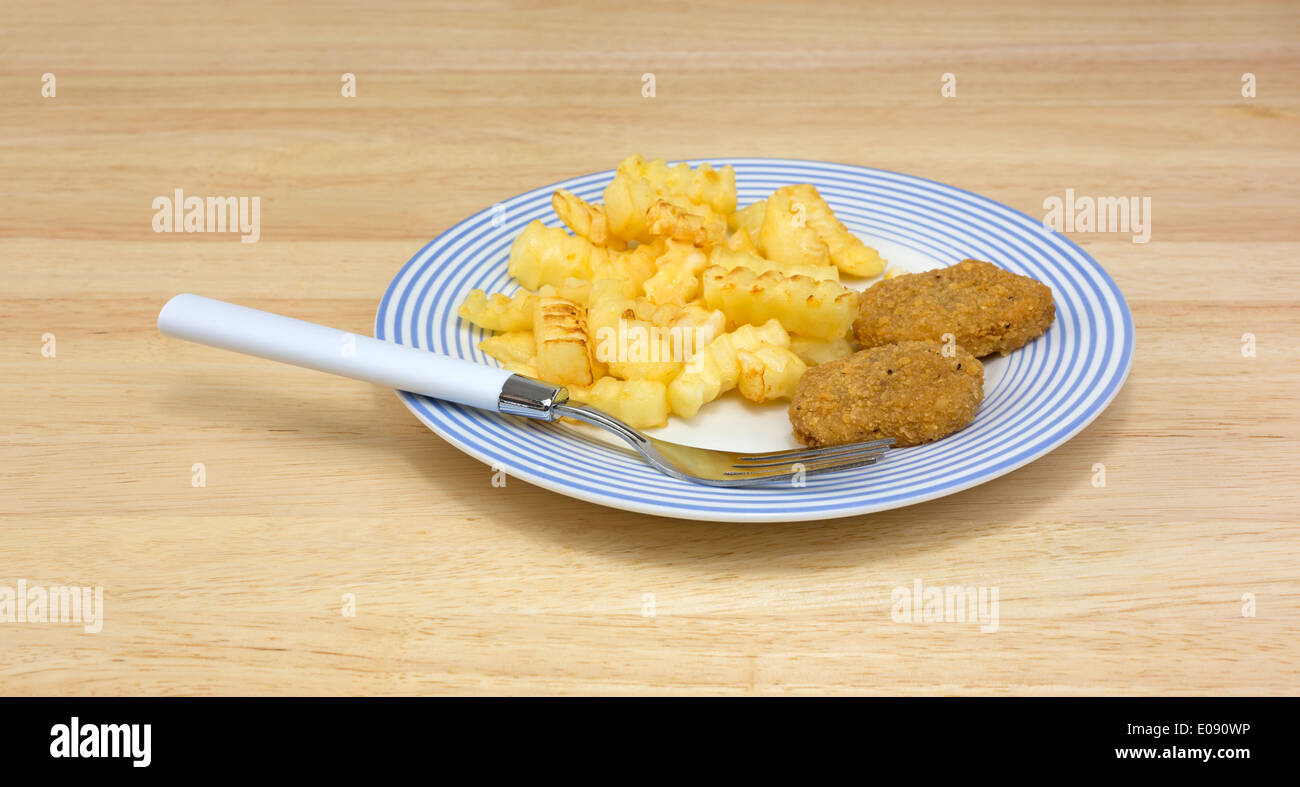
[[1036, 398]]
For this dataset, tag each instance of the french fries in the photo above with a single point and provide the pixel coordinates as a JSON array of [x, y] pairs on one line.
[[627, 198], [630, 268], [549, 255], [768, 372], [666, 296], [678, 278], [716, 369], [785, 236], [749, 219], [497, 312], [524, 369], [641, 404], [665, 219], [564, 352], [706, 323], [703, 185], [815, 352], [847, 252], [631, 348], [816, 309], [650, 199], [586, 220], [740, 240], [725, 258], [517, 347], [576, 290]]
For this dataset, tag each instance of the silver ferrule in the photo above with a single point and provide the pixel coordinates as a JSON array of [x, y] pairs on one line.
[[531, 398]]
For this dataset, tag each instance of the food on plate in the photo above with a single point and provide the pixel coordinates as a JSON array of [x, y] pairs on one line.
[[768, 372], [666, 297], [786, 236], [549, 255], [913, 391], [816, 352], [564, 350], [677, 279], [724, 257], [803, 206], [513, 347], [749, 220], [982, 307], [703, 185], [666, 219], [816, 309], [702, 196], [586, 220], [641, 404], [497, 312], [717, 368], [576, 290], [630, 268], [740, 240], [627, 341]]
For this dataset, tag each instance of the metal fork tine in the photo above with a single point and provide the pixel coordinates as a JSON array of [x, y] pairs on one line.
[[830, 467], [720, 468], [765, 478], [759, 474], [806, 466], [839, 456], [848, 466], [801, 453]]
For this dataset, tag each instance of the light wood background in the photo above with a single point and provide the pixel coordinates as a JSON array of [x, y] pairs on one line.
[[319, 487]]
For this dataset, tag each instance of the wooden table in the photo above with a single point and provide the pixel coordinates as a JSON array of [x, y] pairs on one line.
[[318, 487]]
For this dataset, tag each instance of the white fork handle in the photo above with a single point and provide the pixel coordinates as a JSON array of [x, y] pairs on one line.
[[279, 338]]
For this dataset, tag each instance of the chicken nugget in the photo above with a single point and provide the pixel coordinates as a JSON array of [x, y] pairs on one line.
[[985, 308], [914, 392]]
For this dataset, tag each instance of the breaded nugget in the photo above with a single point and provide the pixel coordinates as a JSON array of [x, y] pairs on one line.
[[909, 391], [987, 309]]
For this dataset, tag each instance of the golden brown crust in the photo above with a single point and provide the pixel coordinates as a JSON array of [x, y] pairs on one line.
[[909, 391], [985, 308]]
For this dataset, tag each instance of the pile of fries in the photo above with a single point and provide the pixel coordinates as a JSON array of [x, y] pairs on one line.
[[667, 296]]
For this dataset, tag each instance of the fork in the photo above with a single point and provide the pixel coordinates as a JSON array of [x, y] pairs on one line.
[[285, 339]]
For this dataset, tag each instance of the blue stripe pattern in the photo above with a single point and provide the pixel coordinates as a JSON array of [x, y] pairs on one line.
[[1050, 390]]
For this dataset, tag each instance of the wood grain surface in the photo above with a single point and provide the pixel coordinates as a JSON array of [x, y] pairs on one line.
[[319, 487]]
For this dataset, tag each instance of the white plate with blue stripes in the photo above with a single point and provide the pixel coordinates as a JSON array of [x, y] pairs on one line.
[[1035, 399]]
